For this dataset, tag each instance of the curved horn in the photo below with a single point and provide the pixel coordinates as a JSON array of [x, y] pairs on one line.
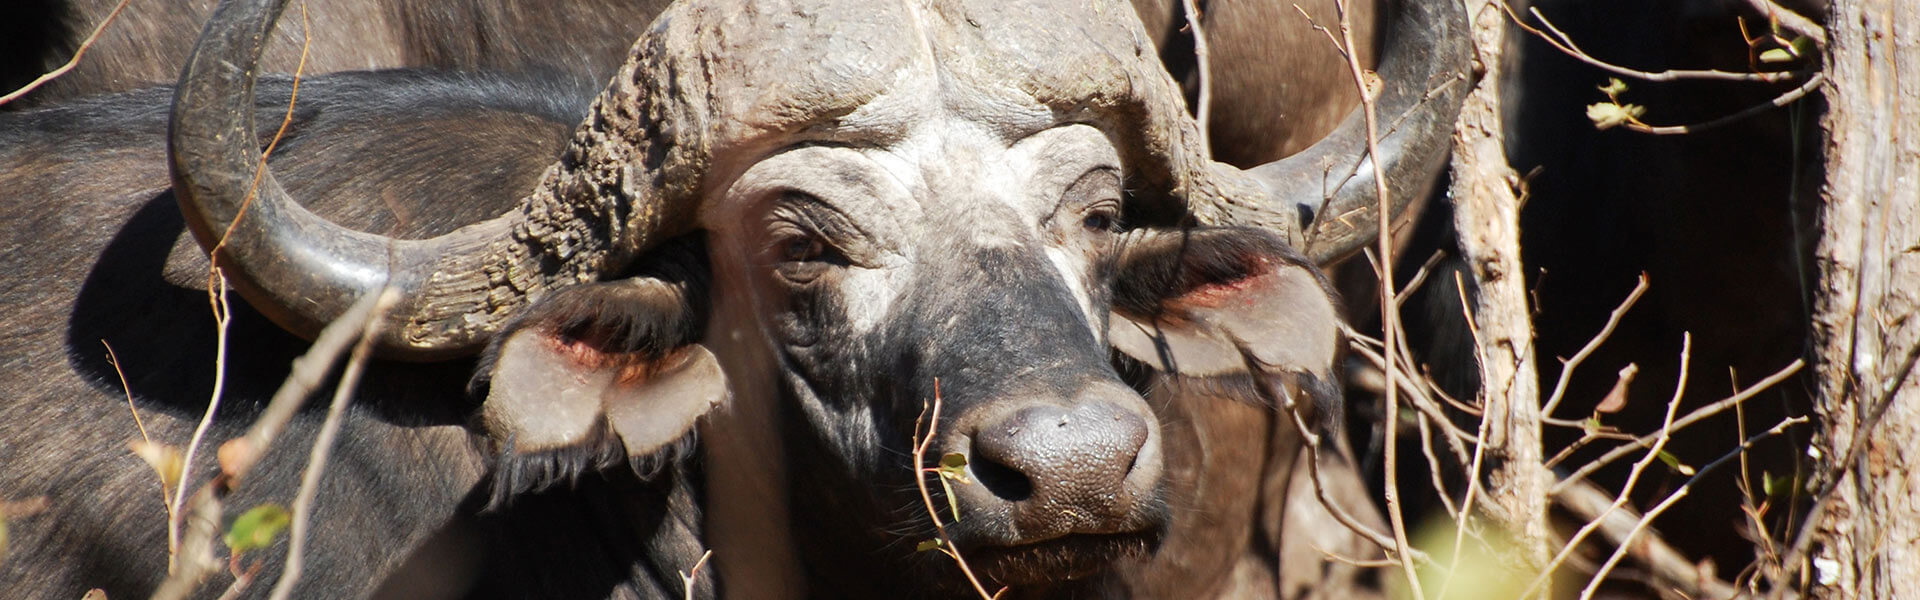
[[302, 271], [1427, 68]]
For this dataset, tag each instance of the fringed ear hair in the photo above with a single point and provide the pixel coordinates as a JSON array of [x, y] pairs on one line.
[[594, 373], [1228, 306]]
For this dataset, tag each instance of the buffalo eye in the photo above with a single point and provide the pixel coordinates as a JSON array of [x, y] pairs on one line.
[[1105, 219], [802, 249]]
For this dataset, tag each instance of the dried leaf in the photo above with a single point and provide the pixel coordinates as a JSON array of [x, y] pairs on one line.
[[95, 594], [165, 460], [1616, 399], [257, 528]]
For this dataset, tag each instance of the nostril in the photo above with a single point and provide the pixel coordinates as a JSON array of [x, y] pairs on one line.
[[1005, 482]]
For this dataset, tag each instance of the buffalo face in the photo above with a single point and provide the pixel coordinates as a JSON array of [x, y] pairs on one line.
[[971, 266]]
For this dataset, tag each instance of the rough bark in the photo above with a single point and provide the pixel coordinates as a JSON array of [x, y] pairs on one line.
[[1870, 278], [1486, 214]]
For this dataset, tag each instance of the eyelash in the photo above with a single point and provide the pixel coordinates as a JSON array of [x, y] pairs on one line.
[[1102, 218]]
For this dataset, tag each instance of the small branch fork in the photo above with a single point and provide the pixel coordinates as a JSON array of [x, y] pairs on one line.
[[194, 559], [931, 416], [1784, 18], [1603, 512]]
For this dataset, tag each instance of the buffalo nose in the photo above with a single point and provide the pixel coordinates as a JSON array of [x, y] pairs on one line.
[[1067, 469]]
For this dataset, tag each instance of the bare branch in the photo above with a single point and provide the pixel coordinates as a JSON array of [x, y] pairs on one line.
[[1793, 21], [1205, 101], [71, 62], [1560, 41], [1679, 424], [687, 578], [1664, 559], [323, 444], [1567, 368], [1788, 97], [194, 558], [1633, 476]]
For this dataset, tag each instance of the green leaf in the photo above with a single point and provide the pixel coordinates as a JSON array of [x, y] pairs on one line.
[[954, 466], [1606, 115], [256, 528], [932, 544], [1673, 462], [1777, 55], [1614, 87], [1777, 486], [1802, 46]]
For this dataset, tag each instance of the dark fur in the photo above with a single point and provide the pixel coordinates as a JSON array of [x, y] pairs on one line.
[[148, 42], [97, 250]]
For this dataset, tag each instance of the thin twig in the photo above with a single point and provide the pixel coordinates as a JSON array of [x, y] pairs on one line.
[[166, 494], [1633, 476], [1625, 544], [687, 578], [71, 62], [221, 318], [1785, 98], [323, 444], [1681, 423], [203, 510], [932, 415], [1311, 441], [1567, 367], [216, 280], [1389, 317], [1565, 44], [1793, 21], [1205, 101], [1433, 465], [1461, 525]]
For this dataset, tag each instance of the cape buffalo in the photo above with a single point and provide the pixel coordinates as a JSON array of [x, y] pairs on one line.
[[778, 234]]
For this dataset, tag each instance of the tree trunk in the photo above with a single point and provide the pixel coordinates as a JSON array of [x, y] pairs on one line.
[[1865, 334], [1486, 214]]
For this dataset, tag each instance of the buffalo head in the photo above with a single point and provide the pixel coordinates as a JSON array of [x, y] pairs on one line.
[[837, 212]]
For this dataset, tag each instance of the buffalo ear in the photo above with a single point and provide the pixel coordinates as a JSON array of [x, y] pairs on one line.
[[592, 374], [548, 392], [1212, 301]]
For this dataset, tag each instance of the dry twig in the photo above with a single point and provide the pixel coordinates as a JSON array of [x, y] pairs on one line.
[[323, 444], [920, 445], [194, 557], [1633, 476], [71, 62], [1625, 543], [1679, 424], [1570, 365]]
